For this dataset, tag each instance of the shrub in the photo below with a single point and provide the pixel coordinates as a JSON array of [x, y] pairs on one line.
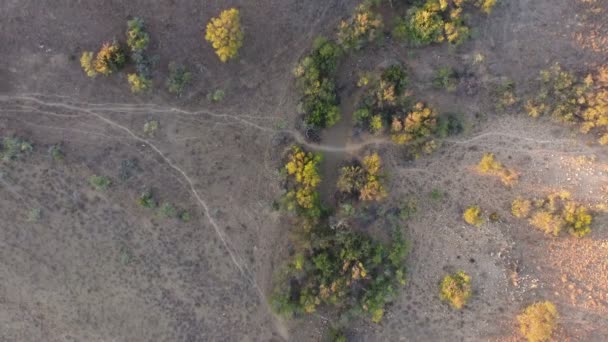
[[168, 210], [14, 148], [150, 128], [504, 94], [109, 59], [490, 166], [472, 216], [137, 37], [424, 25], [100, 183], [33, 215], [364, 26], [56, 152], [521, 208], [139, 83], [449, 125], [577, 219], [456, 289], [538, 321], [146, 200], [216, 96], [225, 34], [185, 216], [178, 78], [445, 78], [547, 222], [351, 179], [86, 62], [485, 5]]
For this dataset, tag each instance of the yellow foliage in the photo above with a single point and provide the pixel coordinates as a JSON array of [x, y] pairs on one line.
[[547, 222], [489, 165], [364, 25], [456, 289], [419, 123], [578, 220], [303, 167], [537, 321], [86, 62], [485, 6], [472, 216], [521, 208], [109, 58], [138, 83], [225, 34], [373, 190], [375, 124]]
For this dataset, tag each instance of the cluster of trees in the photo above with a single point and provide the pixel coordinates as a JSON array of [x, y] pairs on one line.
[[137, 41], [436, 21], [568, 98], [335, 266], [108, 60], [555, 213], [488, 165], [315, 74], [225, 34], [363, 181]]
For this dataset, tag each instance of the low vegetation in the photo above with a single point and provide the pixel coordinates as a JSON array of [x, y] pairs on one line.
[[179, 77], [538, 321], [151, 127], [56, 152], [225, 34], [445, 78], [456, 289], [13, 148], [472, 216], [488, 165], [146, 199], [100, 183], [555, 213]]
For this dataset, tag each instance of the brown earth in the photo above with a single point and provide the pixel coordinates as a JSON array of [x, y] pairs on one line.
[[97, 267]]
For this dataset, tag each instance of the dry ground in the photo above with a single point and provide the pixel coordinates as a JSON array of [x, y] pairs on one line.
[[97, 267]]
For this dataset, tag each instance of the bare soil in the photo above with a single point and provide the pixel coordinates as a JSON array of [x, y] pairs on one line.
[[97, 267]]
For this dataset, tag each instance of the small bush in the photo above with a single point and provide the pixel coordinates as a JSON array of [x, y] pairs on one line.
[[456, 289], [486, 6], [139, 83], [445, 78], [14, 148], [150, 128], [521, 208], [351, 179], [472, 216], [34, 215], [216, 96], [100, 183], [225, 34], [185, 216], [436, 195], [178, 79], [168, 210], [109, 59], [56, 152], [86, 62], [490, 166], [418, 124], [538, 321], [547, 222], [504, 94], [146, 200]]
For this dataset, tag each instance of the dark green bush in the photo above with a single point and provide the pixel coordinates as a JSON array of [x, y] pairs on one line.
[[178, 79]]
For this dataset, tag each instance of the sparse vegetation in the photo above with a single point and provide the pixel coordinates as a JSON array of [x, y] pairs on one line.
[[445, 78], [14, 148], [216, 96], [146, 200], [225, 34], [364, 181], [488, 165], [504, 95], [555, 213], [56, 152], [456, 289], [538, 321], [179, 77], [100, 183], [138, 40], [168, 210], [139, 84], [150, 128], [33, 215], [472, 216]]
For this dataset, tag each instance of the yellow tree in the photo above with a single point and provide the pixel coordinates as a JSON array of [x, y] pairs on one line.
[[225, 34]]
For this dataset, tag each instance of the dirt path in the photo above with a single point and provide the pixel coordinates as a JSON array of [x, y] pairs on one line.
[[337, 137]]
